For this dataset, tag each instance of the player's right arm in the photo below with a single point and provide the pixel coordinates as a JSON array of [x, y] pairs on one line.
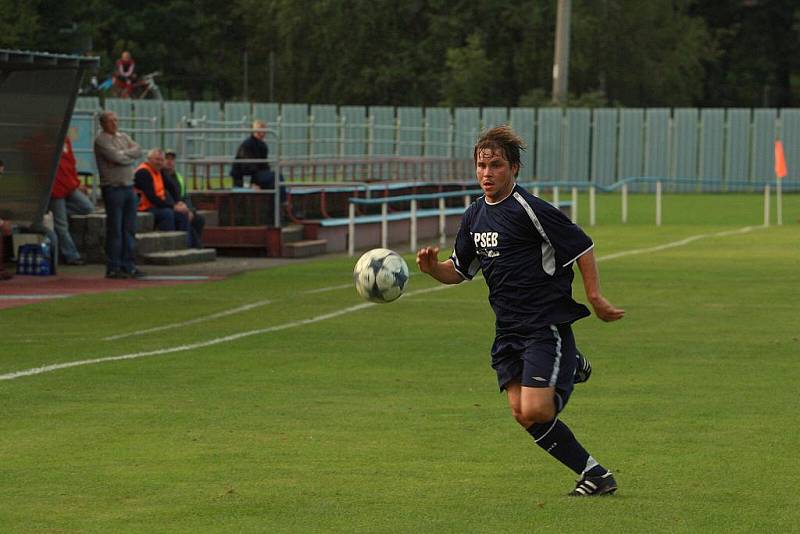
[[443, 271]]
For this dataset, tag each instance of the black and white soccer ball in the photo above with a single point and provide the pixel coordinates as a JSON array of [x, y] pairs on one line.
[[381, 275]]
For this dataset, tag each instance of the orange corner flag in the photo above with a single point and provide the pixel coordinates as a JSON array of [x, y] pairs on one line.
[[780, 160]]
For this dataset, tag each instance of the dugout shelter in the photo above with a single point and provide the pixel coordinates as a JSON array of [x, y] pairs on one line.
[[37, 96]]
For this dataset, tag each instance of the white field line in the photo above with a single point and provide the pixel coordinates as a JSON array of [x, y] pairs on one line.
[[674, 244], [196, 320], [202, 344], [43, 296], [220, 314], [317, 319]]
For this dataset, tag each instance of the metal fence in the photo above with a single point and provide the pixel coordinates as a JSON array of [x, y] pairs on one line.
[[700, 149]]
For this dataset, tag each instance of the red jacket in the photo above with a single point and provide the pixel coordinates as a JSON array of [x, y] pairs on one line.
[[67, 174]]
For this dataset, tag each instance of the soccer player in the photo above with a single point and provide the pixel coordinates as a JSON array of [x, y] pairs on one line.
[[525, 248]]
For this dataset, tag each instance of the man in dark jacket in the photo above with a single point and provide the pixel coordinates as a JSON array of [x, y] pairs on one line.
[[259, 173], [175, 185]]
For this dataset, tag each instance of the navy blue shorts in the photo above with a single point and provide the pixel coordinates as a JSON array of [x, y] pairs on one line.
[[545, 358]]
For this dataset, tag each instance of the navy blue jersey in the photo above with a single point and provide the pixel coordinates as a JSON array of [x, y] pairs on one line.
[[525, 247]]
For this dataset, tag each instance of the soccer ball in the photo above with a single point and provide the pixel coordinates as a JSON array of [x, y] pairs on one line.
[[381, 275]]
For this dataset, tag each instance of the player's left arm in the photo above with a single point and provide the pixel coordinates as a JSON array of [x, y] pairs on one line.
[[591, 283]]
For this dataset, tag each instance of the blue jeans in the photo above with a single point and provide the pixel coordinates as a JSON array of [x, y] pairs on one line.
[[121, 208], [75, 204]]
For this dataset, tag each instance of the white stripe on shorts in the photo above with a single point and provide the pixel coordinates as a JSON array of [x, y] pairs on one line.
[[557, 363]]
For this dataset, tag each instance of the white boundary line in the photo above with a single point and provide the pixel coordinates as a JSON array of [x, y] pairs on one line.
[[191, 321], [318, 318], [675, 243]]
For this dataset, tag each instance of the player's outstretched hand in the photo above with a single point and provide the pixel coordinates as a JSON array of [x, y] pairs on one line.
[[427, 259], [606, 311]]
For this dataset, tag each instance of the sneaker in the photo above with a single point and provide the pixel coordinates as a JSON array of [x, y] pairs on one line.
[[116, 275], [75, 261], [583, 369], [135, 273], [593, 486]]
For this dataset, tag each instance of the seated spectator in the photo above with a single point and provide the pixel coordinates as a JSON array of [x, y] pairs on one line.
[[68, 197], [254, 147], [176, 185], [170, 214], [124, 71]]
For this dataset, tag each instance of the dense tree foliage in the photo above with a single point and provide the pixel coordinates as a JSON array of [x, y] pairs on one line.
[[433, 52]]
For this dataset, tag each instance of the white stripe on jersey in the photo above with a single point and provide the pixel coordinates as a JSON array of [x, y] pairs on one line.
[[548, 252], [472, 268]]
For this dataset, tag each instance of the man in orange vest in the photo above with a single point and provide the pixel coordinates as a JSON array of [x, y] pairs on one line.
[[170, 214]]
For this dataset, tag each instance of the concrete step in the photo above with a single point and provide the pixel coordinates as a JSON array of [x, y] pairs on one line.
[[304, 248], [291, 233], [149, 242], [180, 257], [211, 217]]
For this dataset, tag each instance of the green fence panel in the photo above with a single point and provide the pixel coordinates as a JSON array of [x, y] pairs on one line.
[[684, 147], [492, 117], [353, 136], [206, 111], [411, 129], [384, 130], [549, 143], [467, 125], [656, 143], [237, 112], [148, 115], [577, 148], [631, 143], [236, 115], [267, 112], [122, 107], [737, 145], [294, 131], [87, 103], [764, 134], [437, 132], [324, 131], [523, 120], [712, 143], [604, 146], [207, 115], [83, 128], [790, 135], [175, 113], [684, 142]]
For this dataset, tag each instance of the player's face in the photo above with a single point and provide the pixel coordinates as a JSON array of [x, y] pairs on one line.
[[495, 174]]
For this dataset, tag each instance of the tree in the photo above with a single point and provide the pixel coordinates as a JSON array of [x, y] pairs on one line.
[[468, 75]]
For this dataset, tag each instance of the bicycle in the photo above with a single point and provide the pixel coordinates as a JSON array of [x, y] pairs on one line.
[[144, 87]]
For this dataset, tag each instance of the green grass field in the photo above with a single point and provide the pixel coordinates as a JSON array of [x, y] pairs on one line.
[[336, 417]]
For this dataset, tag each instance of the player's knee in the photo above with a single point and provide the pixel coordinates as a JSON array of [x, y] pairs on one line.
[[536, 413]]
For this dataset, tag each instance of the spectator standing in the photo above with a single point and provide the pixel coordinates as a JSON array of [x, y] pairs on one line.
[[68, 197], [116, 154], [176, 185]]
